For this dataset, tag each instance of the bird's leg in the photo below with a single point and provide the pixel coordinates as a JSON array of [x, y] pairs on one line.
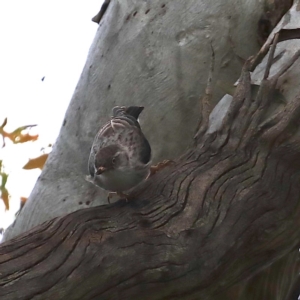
[[109, 196], [121, 195], [161, 165]]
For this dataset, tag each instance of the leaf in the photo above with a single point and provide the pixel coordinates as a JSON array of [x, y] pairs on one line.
[[5, 197], [17, 136], [23, 138], [36, 163], [3, 190], [23, 200], [4, 123], [22, 203]]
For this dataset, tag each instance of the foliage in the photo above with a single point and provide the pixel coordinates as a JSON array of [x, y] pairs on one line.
[[36, 163], [17, 136], [3, 189]]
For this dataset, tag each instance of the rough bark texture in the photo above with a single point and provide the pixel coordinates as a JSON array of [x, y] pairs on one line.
[[150, 53], [222, 222], [222, 213]]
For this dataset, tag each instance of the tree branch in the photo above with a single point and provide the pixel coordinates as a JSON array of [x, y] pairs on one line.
[[222, 213]]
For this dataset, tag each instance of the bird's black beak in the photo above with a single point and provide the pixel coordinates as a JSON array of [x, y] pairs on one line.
[[100, 170]]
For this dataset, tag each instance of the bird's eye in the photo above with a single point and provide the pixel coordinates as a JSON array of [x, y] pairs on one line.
[[113, 160]]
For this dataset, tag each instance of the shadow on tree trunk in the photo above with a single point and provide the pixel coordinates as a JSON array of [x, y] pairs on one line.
[[222, 213]]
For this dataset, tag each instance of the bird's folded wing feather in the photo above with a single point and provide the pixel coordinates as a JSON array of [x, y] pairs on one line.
[[116, 130]]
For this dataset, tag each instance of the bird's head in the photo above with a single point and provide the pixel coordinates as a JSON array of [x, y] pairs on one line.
[[109, 158]]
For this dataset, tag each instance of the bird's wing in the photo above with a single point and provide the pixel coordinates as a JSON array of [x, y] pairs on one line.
[[101, 140], [131, 136], [136, 145], [123, 129], [111, 133], [145, 153]]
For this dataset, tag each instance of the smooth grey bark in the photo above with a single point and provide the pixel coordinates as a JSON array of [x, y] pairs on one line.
[[272, 275], [150, 53], [225, 211]]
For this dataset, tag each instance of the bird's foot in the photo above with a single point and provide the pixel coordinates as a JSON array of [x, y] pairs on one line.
[[121, 195], [161, 165]]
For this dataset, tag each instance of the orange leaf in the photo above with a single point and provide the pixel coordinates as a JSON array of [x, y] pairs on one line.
[[23, 138], [5, 197], [17, 136], [23, 200], [36, 163]]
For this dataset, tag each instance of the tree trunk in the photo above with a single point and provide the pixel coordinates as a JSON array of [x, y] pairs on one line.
[[223, 212], [148, 53], [223, 216]]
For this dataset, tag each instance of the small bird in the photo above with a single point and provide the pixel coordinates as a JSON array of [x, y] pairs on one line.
[[120, 156]]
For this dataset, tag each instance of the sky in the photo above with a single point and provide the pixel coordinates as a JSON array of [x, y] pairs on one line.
[[39, 38]]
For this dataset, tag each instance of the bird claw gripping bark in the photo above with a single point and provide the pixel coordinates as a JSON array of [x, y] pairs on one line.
[[121, 195]]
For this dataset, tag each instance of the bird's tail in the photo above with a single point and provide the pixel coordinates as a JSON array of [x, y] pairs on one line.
[[134, 111]]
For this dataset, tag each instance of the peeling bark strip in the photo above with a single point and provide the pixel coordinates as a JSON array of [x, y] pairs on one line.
[[281, 36], [227, 209], [274, 11], [101, 13]]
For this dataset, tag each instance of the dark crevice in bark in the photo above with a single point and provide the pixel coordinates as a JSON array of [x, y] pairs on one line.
[[223, 212]]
